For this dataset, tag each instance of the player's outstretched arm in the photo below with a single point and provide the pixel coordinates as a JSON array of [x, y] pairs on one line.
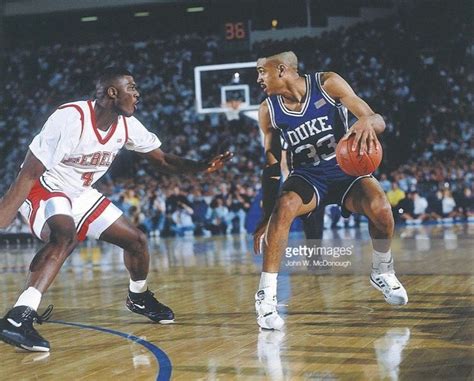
[[271, 174], [172, 164], [368, 125], [10, 203]]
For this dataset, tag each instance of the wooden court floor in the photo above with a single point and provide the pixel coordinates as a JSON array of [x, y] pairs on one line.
[[338, 326]]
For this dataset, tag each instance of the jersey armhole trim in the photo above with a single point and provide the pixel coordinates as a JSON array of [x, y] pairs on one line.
[[80, 112], [330, 99], [343, 114], [271, 112]]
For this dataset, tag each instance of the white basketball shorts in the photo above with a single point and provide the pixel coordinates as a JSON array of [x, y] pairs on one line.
[[92, 212]]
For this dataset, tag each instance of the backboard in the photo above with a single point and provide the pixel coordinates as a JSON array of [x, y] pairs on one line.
[[217, 85]]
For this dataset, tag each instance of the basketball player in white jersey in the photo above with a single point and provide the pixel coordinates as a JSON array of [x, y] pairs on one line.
[[53, 191]]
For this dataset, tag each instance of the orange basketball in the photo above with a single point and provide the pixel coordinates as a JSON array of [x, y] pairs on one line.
[[353, 164]]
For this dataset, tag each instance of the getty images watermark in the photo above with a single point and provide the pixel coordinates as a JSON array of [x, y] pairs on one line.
[[318, 256]]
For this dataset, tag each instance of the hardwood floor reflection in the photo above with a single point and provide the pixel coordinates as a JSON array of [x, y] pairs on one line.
[[338, 326]]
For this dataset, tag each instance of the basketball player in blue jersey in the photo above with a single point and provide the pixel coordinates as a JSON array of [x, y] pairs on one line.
[[310, 113]]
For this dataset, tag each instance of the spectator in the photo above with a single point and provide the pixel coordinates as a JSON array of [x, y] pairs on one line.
[[176, 198], [131, 198], [122, 205], [182, 218], [420, 207], [448, 204], [237, 204], [435, 205], [385, 183], [200, 208], [412, 209], [465, 203], [395, 195], [154, 206], [137, 218], [218, 215]]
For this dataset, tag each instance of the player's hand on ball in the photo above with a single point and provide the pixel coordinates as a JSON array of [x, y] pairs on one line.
[[218, 162], [365, 137]]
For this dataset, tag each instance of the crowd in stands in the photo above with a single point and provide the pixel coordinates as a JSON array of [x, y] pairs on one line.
[[431, 191], [207, 207], [410, 68]]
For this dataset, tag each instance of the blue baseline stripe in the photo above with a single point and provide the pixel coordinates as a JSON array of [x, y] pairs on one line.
[[164, 363]]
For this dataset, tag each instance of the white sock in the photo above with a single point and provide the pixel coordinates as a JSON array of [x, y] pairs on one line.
[[31, 297], [378, 257], [138, 286], [268, 281]]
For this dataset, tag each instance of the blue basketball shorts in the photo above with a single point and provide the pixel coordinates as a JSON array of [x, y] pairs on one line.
[[331, 185]]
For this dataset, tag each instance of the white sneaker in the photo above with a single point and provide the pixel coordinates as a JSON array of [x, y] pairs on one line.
[[267, 314], [383, 279]]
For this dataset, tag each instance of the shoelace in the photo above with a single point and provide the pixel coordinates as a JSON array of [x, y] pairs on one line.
[[269, 304], [392, 281], [148, 299], [29, 316], [45, 315]]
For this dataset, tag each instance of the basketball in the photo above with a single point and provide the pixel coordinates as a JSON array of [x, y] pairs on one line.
[[354, 164]]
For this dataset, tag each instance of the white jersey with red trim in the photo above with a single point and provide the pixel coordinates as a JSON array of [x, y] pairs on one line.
[[76, 153]]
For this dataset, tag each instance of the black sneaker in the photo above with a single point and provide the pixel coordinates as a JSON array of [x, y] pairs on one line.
[[16, 328], [146, 304]]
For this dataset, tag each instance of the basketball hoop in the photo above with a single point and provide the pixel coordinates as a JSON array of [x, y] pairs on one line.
[[233, 81], [232, 109]]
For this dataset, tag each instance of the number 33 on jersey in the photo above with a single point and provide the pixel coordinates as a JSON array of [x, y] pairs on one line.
[[311, 134]]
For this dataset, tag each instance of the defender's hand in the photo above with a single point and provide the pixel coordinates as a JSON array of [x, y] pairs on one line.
[[218, 162], [259, 236], [365, 137]]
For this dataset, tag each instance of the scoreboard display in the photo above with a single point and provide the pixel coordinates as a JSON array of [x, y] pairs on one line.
[[236, 35]]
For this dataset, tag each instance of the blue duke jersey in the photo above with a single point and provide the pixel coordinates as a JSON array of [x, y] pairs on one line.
[[311, 137]]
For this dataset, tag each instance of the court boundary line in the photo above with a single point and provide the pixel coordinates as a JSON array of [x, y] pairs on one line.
[[165, 367]]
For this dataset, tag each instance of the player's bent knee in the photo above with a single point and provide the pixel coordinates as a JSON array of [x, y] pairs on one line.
[[378, 204], [286, 207], [142, 240], [383, 217], [138, 244], [65, 241], [62, 232]]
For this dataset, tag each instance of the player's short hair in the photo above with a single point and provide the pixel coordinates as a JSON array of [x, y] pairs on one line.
[[287, 58], [112, 72], [108, 76]]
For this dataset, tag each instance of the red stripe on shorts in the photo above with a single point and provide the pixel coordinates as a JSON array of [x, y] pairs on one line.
[[81, 234], [37, 194]]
